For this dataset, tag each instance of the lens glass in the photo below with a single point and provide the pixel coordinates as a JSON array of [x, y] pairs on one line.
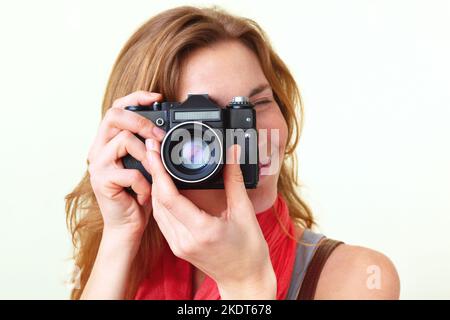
[[195, 154]]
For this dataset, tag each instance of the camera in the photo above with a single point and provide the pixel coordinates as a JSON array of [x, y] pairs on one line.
[[198, 133]]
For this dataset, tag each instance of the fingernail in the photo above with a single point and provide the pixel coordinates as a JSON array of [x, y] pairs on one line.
[[150, 144], [149, 158], [234, 156], [160, 133]]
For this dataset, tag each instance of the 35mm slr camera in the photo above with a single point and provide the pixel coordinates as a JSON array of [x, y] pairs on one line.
[[198, 133]]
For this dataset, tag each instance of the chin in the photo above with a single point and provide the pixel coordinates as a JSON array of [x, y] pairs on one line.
[[265, 194]]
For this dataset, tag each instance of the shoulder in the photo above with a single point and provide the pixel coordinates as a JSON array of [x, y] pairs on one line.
[[354, 272]]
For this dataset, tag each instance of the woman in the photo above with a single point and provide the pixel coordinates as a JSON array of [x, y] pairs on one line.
[[234, 243]]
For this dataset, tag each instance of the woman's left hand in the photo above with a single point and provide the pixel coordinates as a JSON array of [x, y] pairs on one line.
[[230, 248]]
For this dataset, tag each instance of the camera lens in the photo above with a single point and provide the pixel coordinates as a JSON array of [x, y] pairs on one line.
[[192, 152], [195, 154]]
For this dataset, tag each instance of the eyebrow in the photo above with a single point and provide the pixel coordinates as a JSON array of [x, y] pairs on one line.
[[258, 89]]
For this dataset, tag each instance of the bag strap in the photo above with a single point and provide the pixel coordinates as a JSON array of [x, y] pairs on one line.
[[308, 288]]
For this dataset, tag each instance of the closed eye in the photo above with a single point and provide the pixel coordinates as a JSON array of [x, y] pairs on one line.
[[262, 102]]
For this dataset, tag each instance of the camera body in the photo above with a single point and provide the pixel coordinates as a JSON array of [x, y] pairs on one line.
[[198, 133]]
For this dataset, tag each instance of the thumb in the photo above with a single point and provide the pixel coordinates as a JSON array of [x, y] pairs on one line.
[[233, 180]]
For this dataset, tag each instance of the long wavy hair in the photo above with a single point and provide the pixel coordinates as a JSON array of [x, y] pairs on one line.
[[151, 60]]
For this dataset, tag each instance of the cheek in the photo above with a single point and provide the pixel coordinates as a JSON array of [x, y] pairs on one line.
[[272, 121]]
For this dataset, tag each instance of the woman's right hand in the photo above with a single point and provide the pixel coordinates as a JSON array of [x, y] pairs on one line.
[[122, 213]]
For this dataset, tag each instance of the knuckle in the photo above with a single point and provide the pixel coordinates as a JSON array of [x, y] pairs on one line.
[[166, 203], [116, 103], [208, 238], [125, 135], [112, 113], [177, 252], [135, 175], [186, 248], [142, 123], [106, 195]]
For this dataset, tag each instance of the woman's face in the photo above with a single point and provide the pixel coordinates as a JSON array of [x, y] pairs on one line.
[[229, 69]]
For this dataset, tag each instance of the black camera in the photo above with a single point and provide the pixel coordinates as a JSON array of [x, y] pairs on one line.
[[198, 133]]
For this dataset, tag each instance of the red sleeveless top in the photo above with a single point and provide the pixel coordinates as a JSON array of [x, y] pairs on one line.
[[172, 277]]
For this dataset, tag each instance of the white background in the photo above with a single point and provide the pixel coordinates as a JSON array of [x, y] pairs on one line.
[[374, 155]]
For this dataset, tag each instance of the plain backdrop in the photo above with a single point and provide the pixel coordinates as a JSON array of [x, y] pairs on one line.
[[374, 154]]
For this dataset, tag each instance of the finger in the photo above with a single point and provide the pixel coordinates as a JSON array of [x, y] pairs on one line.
[[122, 144], [127, 178], [179, 236], [139, 98], [235, 190], [165, 192], [172, 229], [117, 119], [159, 174], [164, 224]]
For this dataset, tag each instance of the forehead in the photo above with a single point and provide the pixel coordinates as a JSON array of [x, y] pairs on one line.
[[223, 70]]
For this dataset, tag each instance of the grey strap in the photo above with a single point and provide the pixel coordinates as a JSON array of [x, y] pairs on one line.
[[304, 254]]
